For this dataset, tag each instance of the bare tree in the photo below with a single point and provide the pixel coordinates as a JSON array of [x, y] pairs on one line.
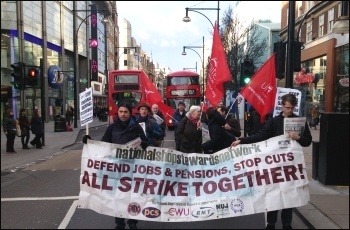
[[240, 42]]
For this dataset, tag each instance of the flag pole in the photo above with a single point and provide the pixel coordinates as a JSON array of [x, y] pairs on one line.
[[234, 101]]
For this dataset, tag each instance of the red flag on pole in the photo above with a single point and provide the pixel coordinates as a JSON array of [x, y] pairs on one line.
[[261, 90], [218, 70], [154, 97]]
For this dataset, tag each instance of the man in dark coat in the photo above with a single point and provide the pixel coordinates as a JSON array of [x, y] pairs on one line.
[[274, 127], [178, 115], [157, 112], [232, 124], [219, 137], [123, 130]]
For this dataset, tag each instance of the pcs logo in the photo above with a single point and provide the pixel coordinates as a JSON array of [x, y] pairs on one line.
[[151, 212]]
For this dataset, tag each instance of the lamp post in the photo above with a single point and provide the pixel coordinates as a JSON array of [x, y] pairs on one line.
[[188, 19], [125, 51], [202, 59], [186, 68], [75, 51]]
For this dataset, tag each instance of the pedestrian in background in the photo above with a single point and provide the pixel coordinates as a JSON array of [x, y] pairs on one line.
[[274, 127], [189, 132], [123, 130], [179, 114], [25, 127], [36, 125], [69, 115], [315, 116], [9, 128]]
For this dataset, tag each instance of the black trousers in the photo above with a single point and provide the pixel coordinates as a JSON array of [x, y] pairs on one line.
[[10, 142], [37, 140]]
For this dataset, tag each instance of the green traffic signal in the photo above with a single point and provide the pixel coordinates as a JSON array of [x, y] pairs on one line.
[[247, 71], [246, 80]]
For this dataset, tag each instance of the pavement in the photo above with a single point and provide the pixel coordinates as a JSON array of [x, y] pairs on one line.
[[328, 207]]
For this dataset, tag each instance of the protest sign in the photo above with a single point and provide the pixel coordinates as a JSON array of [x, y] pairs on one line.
[[160, 184]]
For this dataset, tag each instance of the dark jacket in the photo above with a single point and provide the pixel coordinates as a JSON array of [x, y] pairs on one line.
[[274, 127], [120, 133], [189, 136], [37, 125], [254, 124], [220, 138], [153, 130], [23, 121], [9, 124], [163, 124], [178, 117], [235, 126]]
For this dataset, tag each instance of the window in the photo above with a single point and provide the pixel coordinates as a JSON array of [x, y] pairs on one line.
[[309, 31], [125, 62], [339, 10], [330, 19], [321, 25]]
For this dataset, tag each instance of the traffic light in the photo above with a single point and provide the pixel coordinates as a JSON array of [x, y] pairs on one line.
[[280, 49], [33, 75], [18, 75], [247, 71]]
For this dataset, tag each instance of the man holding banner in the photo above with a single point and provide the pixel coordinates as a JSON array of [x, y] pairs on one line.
[[275, 127]]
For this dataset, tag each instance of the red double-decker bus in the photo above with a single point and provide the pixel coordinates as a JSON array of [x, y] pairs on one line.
[[182, 86], [124, 86]]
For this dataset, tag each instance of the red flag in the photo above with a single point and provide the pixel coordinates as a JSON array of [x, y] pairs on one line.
[[261, 90], [218, 71], [153, 96]]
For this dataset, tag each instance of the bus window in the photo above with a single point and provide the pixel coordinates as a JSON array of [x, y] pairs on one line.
[[126, 79], [133, 98]]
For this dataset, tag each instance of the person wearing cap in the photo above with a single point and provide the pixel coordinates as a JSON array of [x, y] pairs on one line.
[[178, 115], [153, 130], [123, 130], [189, 131]]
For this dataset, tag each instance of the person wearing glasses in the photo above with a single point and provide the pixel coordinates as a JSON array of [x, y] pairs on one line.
[[189, 131], [274, 127]]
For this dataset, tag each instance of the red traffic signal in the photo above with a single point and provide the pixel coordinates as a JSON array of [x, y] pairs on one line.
[[33, 73]]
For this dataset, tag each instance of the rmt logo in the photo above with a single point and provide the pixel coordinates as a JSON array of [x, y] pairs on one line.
[[203, 212], [151, 212]]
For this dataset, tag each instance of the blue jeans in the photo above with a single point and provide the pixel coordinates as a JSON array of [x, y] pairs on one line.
[[287, 215], [121, 221]]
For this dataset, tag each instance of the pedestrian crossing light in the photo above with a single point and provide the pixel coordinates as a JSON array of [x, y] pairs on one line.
[[18, 75], [32, 76], [247, 71]]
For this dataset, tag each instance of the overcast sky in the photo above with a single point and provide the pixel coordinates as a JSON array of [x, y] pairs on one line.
[[158, 26]]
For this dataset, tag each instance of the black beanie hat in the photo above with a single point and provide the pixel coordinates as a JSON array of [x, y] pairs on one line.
[[126, 105]]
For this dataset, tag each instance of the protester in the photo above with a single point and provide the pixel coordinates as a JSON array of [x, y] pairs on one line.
[[9, 127], [162, 124], [232, 124], [219, 137], [153, 131], [178, 115], [24, 124], [254, 123], [123, 130], [36, 125], [274, 127], [189, 131]]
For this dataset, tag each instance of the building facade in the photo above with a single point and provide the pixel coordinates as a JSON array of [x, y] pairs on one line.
[[49, 34], [324, 55]]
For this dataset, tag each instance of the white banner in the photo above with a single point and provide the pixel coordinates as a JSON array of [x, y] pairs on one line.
[[159, 184], [278, 100], [86, 107]]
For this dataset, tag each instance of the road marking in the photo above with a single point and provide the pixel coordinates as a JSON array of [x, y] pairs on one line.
[[68, 216], [41, 198]]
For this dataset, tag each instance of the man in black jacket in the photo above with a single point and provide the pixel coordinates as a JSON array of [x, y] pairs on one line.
[[274, 127], [123, 130]]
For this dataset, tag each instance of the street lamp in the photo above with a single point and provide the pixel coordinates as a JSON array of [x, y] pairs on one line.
[[125, 51], [188, 19], [75, 51], [202, 59], [186, 68]]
